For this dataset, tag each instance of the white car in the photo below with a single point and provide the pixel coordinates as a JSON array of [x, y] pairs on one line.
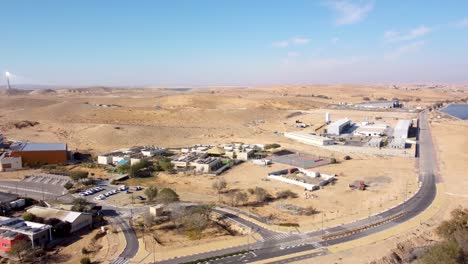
[[100, 197]]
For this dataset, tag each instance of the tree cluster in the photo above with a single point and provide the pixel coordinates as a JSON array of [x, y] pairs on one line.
[[454, 247]]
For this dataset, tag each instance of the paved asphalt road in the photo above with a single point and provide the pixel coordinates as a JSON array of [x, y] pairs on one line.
[[132, 245], [277, 244]]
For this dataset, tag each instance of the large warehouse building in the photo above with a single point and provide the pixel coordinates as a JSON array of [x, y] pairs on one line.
[[40, 153], [310, 139], [380, 104], [337, 127], [402, 128]]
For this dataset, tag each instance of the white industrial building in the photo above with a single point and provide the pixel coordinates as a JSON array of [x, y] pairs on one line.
[[402, 128], [398, 143], [372, 130], [380, 104], [375, 142], [10, 163], [337, 127], [310, 139]]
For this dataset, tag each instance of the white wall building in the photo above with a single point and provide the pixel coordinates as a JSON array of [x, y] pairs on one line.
[[310, 139], [9, 163], [402, 128], [337, 127]]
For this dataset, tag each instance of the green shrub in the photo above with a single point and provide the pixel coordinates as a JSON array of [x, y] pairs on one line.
[[68, 185], [85, 260]]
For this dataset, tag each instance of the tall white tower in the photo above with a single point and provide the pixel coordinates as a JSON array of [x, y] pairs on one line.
[[7, 77], [327, 117]]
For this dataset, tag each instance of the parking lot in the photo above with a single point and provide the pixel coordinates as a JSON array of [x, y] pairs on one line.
[[50, 179], [114, 195]]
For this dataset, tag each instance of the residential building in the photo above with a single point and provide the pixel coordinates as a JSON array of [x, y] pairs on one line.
[[132, 155], [310, 139], [77, 220]]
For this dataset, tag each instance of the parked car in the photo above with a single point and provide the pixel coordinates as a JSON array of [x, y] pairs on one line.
[[138, 188], [141, 198]]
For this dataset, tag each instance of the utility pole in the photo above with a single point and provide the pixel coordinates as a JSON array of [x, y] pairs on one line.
[[322, 222]]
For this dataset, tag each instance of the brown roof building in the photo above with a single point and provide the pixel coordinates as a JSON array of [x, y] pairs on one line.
[[40, 153]]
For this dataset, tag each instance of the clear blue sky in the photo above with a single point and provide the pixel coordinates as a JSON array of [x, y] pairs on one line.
[[238, 42]]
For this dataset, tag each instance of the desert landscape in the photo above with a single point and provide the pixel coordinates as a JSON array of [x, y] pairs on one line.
[[99, 120]]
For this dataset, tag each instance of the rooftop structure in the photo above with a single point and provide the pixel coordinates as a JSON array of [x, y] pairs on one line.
[[76, 219], [402, 128], [337, 127], [380, 104], [310, 139]]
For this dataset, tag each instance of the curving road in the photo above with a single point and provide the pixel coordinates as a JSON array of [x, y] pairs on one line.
[[279, 244]]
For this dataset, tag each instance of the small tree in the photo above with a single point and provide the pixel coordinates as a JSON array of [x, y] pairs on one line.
[[167, 195], [261, 195], [151, 192], [68, 185], [286, 194], [79, 204], [240, 198], [20, 248], [219, 185], [79, 175], [85, 260], [29, 217]]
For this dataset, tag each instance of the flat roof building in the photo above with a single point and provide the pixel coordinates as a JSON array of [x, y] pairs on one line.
[[310, 139], [40, 153], [337, 127], [15, 229], [402, 128]]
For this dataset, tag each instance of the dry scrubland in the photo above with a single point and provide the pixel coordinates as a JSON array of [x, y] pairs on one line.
[[185, 116], [250, 115]]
